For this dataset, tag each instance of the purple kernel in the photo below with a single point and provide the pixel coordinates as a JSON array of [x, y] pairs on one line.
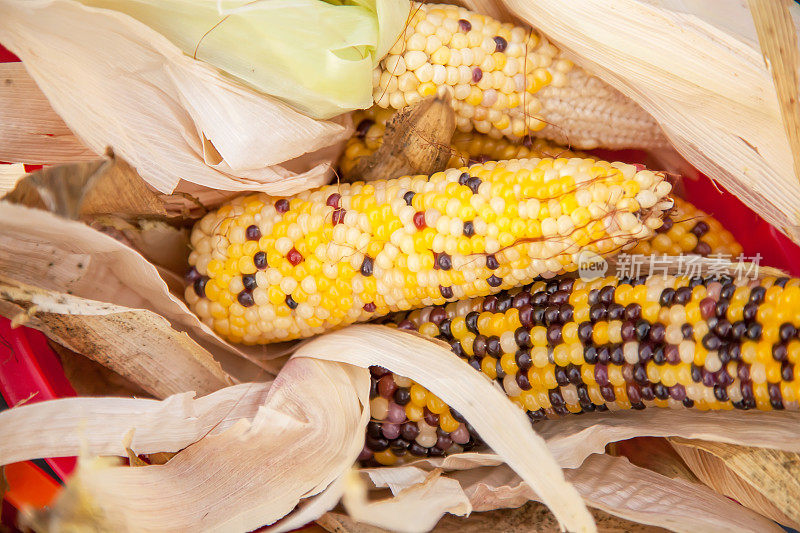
[[477, 74], [390, 431], [677, 392], [252, 233], [365, 455], [396, 413], [464, 25], [461, 435], [282, 205], [443, 442]]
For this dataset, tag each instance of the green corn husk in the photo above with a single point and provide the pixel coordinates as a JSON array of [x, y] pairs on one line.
[[315, 55]]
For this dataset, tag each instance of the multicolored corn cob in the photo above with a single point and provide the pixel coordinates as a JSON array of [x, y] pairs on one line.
[[268, 269], [467, 148], [569, 346], [688, 230], [506, 81]]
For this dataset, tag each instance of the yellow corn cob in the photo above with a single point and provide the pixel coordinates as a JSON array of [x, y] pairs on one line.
[[506, 81], [268, 269], [467, 148], [688, 230], [569, 346]]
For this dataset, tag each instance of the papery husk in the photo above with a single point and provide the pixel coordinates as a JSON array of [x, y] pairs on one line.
[[615, 486], [10, 176], [43, 250], [416, 141], [306, 434], [429, 500], [777, 36], [170, 116], [767, 481], [135, 343], [703, 78], [31, 131], [533, 516], [107, 426], [573, 438], [654, 454], [90, 378], [81, 190], [501, 425]]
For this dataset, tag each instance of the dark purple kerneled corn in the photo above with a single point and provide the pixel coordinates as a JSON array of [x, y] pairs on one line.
[[568, 346]]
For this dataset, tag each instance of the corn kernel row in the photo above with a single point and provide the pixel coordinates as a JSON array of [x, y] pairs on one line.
[[506, 80], [267, 269], [569, 346]]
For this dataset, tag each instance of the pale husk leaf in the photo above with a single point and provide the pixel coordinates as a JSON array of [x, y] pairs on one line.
[[611, 484], [428, 500], [572, 439], [766, 481], [10, 176], [501, 425], [308, 433], [30, 131], [41, 249], [135, 343], [777, 36], [105, 426], [707, 86], [182, 118]]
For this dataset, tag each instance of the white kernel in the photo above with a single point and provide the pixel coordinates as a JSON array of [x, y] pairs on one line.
[[415, 59]]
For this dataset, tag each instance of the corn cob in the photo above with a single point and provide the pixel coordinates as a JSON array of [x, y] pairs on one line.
[[569, 346], [506, 81], [267, 269], [688, 230], [467, 148]]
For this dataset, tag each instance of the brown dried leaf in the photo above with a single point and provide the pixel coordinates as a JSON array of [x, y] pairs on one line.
[[32, 132], [533, 516], [81, 190], [767, 481], [90, 378], [135, 343], [417, 141], [160, 458], [44, 250], [656, 454], [134, 459]]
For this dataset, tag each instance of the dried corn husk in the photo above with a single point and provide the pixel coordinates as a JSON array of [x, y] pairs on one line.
[[654, 454], [763, 480], [31, 131], [700, 73], [40, 249], [607, 483], [305, 435], [90, 378], [10, 176], [168, 115], [106, 426], [136, 344], [416, 141]]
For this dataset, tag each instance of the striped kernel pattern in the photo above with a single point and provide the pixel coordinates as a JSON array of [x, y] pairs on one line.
[[466, 148], [568, 346], [506, 80], [268, 269], [688, 230]]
